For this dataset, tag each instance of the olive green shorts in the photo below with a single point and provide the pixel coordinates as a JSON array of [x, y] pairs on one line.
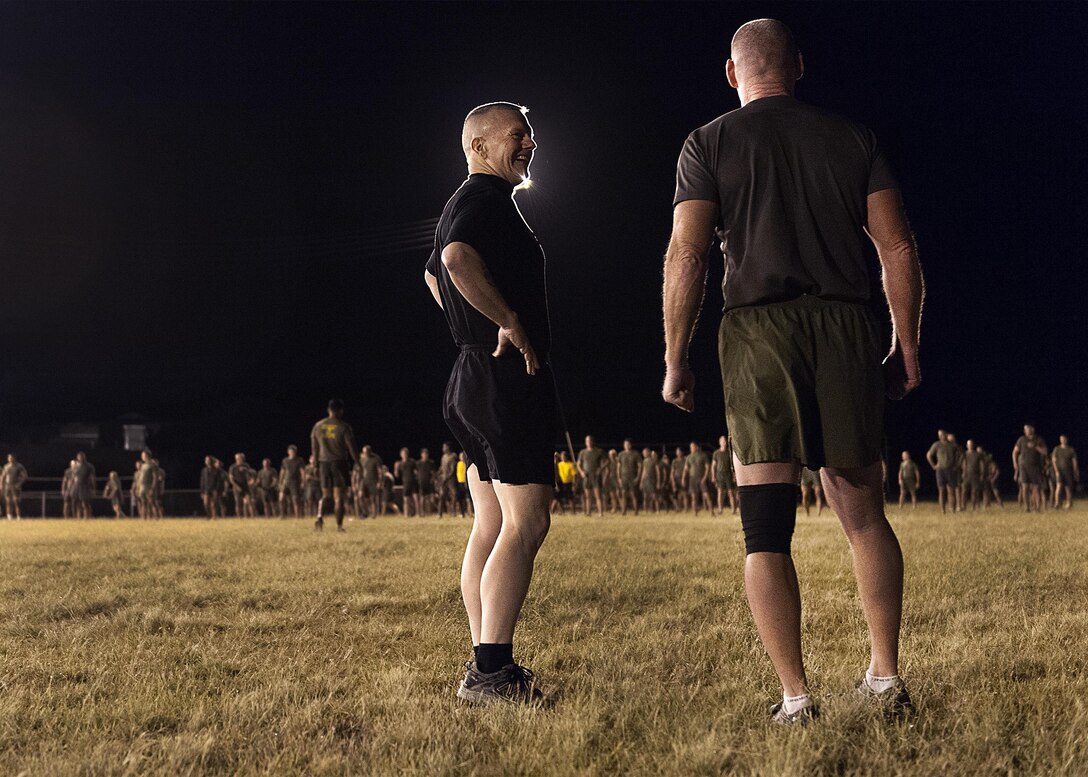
[[803, 382]]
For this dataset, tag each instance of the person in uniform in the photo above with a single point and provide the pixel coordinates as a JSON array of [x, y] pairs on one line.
[[149, 484], [290, 485], [209, 487], [311, 486], [629, 462], [84, 487], [791, 189], [990, 473], [371, 474], [664, 481], [957, 471], [678, 467], [697, 478], [387, 484], [722, 474], [114, 492], [426, 471], [942, 458], [67, 490], [1064, 458], [12, 479], [333, 442], [136, 505], [590, 461], [811, 487], [1027, 467], [447, 480], [647, 480], [610, 481], [908, 480], [241, 475], [268, 482], [487, 273], [405, 470], [971, 477]]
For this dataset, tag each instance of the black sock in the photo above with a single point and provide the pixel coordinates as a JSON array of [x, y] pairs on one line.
[[475, 652], [491, 657]]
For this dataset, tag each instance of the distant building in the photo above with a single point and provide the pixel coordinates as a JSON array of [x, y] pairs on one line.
[[135, 436]]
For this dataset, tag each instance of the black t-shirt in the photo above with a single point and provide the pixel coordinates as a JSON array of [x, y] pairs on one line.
[[482, 214], [791, 182]]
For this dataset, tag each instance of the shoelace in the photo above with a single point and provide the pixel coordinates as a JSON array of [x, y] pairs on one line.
[[519, 676]]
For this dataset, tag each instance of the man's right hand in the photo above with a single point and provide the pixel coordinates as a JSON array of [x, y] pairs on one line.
[[901, 373], [514, 334], [679, 388]]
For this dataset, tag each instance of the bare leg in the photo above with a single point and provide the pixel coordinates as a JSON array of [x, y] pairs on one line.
[[485, 530], [856, 496], [770, 582], [509, 569], [774, 598]]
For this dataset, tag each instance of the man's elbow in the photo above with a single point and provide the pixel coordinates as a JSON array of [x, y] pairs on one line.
[[454, 262], [686, 258]]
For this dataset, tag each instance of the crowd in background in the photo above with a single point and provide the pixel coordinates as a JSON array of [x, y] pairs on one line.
[[593, 480]]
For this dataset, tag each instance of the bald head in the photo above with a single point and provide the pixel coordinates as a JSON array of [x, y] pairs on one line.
[[764, 51], [481, 120]]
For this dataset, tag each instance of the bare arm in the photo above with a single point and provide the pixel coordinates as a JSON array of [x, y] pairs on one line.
[[685, 284], [903, 283], [469, 274], [432, 284]]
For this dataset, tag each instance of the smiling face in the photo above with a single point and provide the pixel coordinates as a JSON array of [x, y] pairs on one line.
[[503, 146]]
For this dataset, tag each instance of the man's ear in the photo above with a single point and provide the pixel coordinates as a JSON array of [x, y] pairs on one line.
[[731, 73], [480, 147]]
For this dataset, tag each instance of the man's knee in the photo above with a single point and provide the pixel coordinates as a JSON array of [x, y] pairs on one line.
[[768, 514]]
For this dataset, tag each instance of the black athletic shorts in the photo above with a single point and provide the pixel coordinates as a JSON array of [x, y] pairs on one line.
[[292, 488], [411, 488], [944, 477], [335, 474], [503, 417]]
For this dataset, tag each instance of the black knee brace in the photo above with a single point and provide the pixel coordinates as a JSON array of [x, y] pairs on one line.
[[768, 514]]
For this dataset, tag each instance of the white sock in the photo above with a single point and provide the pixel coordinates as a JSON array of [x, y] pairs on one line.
[[793, 703], [880, 684]]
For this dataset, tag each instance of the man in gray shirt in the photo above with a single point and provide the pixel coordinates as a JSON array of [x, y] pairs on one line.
[[791, 190]]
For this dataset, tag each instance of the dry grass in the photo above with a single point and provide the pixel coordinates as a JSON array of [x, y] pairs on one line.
[[183, 647]]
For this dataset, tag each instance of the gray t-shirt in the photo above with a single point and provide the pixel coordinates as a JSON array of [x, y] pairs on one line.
[[791, 182], [333, 440]]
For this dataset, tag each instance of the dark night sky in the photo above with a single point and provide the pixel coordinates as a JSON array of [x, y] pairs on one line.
[[190, 196]]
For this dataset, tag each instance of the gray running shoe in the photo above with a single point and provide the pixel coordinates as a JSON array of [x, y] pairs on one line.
[[319, 524], [802, 717], [512, 683], [895, 701]]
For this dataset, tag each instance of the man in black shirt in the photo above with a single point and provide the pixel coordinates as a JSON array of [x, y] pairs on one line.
[[487, 275], [791, 190]]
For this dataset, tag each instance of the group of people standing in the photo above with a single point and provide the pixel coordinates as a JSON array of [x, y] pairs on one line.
[[616, 481], [967, 476], [295, 489]]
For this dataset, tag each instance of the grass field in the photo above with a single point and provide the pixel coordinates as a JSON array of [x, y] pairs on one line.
[[259, 647]]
